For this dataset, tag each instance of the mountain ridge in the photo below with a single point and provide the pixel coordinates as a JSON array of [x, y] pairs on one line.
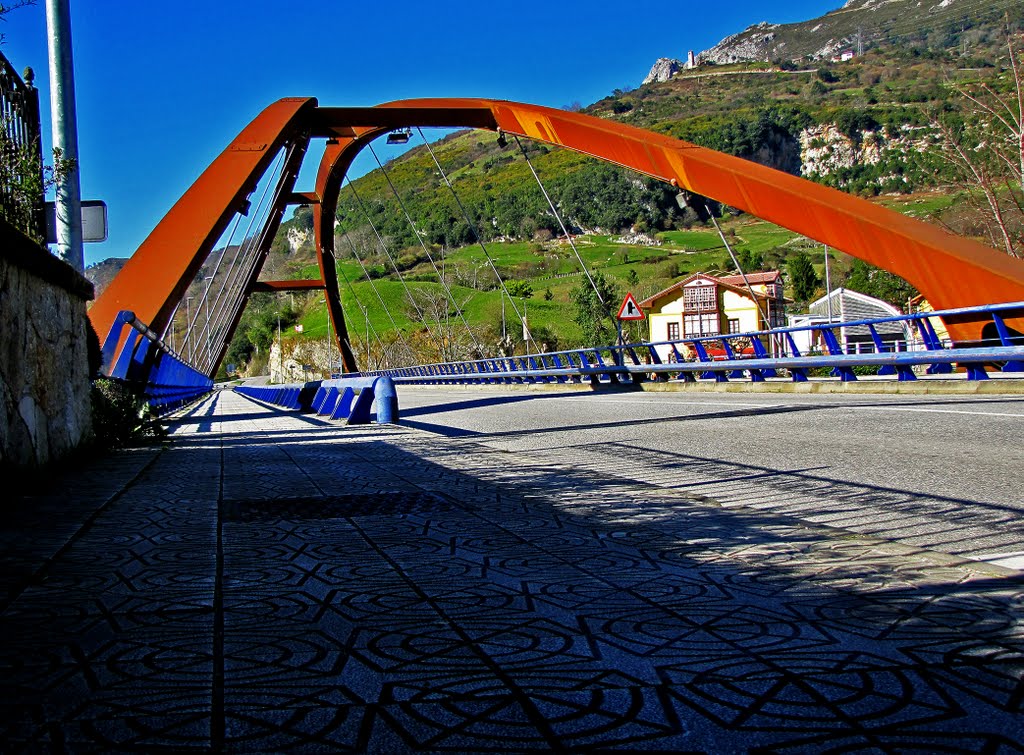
[[860, 24]]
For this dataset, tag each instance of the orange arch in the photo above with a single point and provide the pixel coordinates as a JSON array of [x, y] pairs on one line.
[[949, 270]]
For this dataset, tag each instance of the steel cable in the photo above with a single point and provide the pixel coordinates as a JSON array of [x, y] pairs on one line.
[[426, 251], [475, 232], [379, 297], [560, 223], [391, 259]]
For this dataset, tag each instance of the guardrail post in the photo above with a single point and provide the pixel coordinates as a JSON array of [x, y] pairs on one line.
[[1014, 365], [761, 353], [652, 354], [932, 343], [885, 369], [702, 356], [727, 348], [343, 408], [976, 371], [845, 373], [799, 374]]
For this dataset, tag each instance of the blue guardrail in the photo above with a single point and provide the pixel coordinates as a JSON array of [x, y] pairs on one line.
[[756, 356], [166, 380]]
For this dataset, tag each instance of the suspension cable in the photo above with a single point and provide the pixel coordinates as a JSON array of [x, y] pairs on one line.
[[209, 283], [391, 259], [230, 294], [213, 276], [232, 266], [736, 262], [379, 297], [558, 217], [362, 308], [426, 251], [476, 233], [251, 259]]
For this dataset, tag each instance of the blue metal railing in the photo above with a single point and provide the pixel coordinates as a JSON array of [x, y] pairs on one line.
[[757, 355], [164, 378]]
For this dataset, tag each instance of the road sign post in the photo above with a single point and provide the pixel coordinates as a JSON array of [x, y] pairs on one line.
[[629, 311]]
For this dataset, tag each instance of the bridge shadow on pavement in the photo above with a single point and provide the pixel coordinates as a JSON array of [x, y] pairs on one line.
[[458, 432], [287, 587]]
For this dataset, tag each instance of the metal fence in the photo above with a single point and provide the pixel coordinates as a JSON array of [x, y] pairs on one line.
[[756, 356], [21, 164]]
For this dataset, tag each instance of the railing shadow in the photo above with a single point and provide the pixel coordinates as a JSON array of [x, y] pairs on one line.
[[438, 588]]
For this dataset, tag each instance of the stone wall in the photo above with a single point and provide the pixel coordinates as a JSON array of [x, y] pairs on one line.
[[45, 407]]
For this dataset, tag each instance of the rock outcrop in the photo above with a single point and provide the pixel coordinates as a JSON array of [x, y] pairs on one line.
[[753, 44], [824, 149], [664, 69], [298, 238]]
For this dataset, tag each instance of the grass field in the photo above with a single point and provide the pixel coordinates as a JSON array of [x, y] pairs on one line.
[[553, 266]]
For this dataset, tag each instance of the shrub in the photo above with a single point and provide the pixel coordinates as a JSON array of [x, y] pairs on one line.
[[121, 416]]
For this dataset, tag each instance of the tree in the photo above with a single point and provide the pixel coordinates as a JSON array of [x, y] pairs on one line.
[[984, 153], [519, 288], [750, 261], [802, 277], [632, 277], [594, 315], [453, 340]]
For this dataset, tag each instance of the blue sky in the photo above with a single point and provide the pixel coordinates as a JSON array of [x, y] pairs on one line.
[[163, 87]]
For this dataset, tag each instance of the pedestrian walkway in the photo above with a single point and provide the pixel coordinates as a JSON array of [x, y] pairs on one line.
[[275, 582]]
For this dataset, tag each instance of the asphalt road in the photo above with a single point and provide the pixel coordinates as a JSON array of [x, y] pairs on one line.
[[944, 473]]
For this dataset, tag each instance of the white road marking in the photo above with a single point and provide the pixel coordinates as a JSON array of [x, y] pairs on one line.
[[1014, 560], [660, 402], [853, 406], [936, 411]]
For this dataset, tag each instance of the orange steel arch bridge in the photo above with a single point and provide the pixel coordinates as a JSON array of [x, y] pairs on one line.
[[949, 271]]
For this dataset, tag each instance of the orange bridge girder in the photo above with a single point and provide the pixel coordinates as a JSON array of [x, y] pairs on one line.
[[948, 270]]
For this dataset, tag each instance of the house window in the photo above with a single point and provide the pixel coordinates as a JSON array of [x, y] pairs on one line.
[[701, 325], [673, 331], [734, 325], [699, 298]]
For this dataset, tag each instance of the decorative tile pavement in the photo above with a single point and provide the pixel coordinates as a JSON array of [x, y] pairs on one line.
[[269, 582]]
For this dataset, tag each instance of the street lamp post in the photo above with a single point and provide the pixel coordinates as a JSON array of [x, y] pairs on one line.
[[65, 132]]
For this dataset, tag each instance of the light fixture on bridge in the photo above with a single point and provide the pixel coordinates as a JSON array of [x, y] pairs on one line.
[[400, 136]]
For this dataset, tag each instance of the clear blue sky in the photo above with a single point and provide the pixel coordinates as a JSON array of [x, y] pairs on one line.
[[163, 87]]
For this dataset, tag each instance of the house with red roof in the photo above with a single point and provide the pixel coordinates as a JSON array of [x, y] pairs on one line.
[[709, 305]]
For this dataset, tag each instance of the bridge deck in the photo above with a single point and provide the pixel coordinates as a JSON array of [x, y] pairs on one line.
[[271, 581]]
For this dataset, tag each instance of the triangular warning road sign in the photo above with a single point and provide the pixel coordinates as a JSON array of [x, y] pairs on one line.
[[630, 310]]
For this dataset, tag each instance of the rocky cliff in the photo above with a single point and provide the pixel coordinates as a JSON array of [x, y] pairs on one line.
[[664, 69]]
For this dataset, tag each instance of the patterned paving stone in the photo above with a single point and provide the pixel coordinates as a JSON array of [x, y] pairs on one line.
[[269, 583]]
